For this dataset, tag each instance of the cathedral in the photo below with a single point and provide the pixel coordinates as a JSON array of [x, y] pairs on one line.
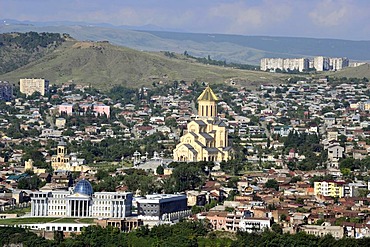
[[206, 138], [67, 162]]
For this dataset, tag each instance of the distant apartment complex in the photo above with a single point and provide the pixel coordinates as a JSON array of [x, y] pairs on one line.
[[6, 91], [29, 86], [319, 63], [299, 64]]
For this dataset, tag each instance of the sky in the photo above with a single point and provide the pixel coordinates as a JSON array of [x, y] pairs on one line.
[[339, 19]]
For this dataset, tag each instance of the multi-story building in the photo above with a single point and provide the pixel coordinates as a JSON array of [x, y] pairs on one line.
[[254, 224], [30, 86], [321, 63], [329, 188], [272, 63], [99, 109], [81, 202], [162, 206], [338, 63], [299, 64], [6, 91], [325, 229], [207, 136]]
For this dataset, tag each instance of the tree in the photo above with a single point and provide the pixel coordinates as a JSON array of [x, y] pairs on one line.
[[272, 183], [160, 170]]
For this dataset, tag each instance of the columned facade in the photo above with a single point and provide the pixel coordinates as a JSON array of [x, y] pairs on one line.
[[81, 203]]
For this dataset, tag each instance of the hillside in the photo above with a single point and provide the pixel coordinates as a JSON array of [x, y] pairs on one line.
[[356, 72], [104, 65], [232, 48], [18, 49]]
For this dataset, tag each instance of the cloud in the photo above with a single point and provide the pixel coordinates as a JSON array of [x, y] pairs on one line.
[[242, 17], [329, 13]]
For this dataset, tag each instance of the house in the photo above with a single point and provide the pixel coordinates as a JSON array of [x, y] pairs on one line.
[[325, 229]]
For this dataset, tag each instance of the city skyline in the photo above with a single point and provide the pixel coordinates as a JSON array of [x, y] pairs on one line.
[[343, 19]]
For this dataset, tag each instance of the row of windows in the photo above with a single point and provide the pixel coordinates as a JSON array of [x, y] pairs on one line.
[[57, 207]]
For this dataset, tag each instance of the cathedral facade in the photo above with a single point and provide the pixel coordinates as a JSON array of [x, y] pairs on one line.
[[206, 138], [67, 162]]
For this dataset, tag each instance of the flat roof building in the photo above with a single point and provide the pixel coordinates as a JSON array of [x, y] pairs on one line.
[[29, 86]]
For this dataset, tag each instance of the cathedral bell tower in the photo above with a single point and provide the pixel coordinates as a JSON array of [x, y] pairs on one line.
[[62, 148], [207, 104]]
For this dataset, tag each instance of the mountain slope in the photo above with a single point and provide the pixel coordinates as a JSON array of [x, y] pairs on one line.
[[232, 48], [18, 49], [355, 72], [104, 65]]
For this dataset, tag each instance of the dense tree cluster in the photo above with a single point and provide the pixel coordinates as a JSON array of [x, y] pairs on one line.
[[187, 233], [307, 145]]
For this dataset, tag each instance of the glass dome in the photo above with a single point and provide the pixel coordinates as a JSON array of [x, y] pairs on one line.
[[84, 187]]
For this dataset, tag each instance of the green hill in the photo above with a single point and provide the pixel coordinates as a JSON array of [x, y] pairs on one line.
[[104, 65], [232, 48], [18, 49], [355, 72]]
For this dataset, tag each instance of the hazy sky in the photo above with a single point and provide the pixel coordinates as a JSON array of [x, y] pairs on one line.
[[343, 19]]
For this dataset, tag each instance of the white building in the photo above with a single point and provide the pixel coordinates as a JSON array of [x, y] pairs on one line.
[[254, 224], [82, 202], [338, 63], [299, 64], [321, 63], [29, 86]]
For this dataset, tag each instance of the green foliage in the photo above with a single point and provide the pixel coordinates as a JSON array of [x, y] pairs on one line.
[[11, 235], [18, 49], [185, 233], [234, 166], [160, 170], [308, 145], [30, 183], [352, 164], [272, 183]]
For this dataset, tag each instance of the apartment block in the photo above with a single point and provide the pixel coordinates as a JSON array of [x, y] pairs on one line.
[[320, 63], [299, 64], [329, 188], [6, 91], [29, 86], [338, 63]]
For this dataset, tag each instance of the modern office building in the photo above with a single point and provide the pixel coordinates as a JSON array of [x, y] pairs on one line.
[[206, 138], [162, 206], [6, 91], [30, 86], [81, 202]]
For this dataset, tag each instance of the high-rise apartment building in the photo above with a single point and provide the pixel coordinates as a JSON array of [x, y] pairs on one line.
[[338, 63], [321, 63], [6, 91], [286, 64], [29, 86]]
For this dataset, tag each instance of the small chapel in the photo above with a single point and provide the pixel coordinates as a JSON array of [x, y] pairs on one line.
[[206, 138]]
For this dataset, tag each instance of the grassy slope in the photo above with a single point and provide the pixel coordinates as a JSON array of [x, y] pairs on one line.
[[103, 65], [356, 72], [232, 48]]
